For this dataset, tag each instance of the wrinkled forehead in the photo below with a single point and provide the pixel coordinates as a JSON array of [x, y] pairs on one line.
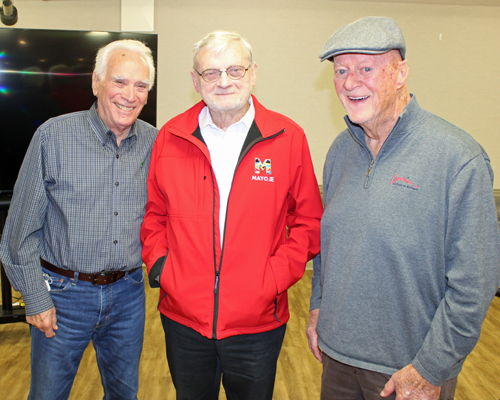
[[223, 55], [127, 65], [391, 57]]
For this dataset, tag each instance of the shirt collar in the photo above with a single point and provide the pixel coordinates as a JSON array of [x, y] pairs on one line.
[[205, 118], [411, 116]]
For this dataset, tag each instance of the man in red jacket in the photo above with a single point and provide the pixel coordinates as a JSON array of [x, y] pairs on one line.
[[233, 215]]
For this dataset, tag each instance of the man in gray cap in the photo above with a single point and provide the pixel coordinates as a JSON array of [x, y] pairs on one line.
[[410, 247]]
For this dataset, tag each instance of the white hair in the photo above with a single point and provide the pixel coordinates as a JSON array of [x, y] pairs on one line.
[[105, 53], [219, 41]]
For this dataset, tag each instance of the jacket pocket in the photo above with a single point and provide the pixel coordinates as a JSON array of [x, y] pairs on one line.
[[156, 271]]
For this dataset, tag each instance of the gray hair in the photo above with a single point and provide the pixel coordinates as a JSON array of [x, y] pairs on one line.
[[105, 53], [218, 41]]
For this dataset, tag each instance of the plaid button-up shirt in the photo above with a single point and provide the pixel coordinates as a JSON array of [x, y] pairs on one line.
[[78, 203]]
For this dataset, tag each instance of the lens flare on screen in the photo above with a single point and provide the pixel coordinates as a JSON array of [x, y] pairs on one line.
[[10, 71]]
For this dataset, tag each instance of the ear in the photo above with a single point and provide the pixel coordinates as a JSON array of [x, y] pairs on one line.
[[95, 81], [403, 73], [196, 83], [254, 74]]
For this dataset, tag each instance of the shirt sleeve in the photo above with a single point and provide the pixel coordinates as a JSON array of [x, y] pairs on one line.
[[21, 238], [472, 258], [315, 300]]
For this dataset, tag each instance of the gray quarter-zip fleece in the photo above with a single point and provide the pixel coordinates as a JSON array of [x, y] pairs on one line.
[[410, 248]]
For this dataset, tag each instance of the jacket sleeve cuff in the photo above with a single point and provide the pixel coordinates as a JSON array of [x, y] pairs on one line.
[[436, 377]]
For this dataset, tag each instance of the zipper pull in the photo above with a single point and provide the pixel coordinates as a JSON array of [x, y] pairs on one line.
[[369, 169], [216, 288]]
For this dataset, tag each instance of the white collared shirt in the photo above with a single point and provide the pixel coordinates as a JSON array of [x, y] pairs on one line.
[[225, 148]]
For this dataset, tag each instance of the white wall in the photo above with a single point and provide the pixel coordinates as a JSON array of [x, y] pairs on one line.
[[453, 54]]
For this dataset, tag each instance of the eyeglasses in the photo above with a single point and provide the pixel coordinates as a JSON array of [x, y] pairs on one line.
[[234, 72]]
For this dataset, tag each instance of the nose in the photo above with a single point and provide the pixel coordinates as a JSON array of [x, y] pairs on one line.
[[128, 93], [351, 81], [224, 80]]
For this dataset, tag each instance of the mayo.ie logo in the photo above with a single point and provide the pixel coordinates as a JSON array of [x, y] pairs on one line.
[[263, 166]]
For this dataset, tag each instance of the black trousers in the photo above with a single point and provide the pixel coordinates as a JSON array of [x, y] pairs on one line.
[[248, 363]]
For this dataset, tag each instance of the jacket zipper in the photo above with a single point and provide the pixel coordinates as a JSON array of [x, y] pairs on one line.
[[368, 174], [216, 285], [372, 160], [218, 271]]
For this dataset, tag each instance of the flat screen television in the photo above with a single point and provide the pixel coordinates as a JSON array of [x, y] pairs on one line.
[[45, 73]]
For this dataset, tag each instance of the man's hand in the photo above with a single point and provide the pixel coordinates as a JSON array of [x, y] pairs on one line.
[[410, 385], [312, 335], [46, 322]]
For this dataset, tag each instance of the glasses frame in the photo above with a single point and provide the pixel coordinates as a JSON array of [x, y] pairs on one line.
[[225, 70]]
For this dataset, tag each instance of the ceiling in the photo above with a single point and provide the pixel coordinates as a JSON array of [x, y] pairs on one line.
[[495, 3]]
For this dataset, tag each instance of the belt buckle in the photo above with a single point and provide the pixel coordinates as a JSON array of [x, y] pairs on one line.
[[95, 277]]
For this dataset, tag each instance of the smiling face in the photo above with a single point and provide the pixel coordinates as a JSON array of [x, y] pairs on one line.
[[123, 92], [368, 87], [226, 95]]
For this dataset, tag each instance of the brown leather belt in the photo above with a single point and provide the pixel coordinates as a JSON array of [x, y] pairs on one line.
[[99, 278]]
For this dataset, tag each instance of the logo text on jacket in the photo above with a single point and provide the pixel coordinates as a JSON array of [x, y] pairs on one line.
[[404, 182]]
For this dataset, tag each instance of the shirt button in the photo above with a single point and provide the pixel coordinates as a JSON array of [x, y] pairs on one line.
[[115, 241], [117, 156], [117, 183], [116, 212]]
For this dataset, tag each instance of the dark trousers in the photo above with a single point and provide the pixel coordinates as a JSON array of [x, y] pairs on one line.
[[248, 363], [343, 382]]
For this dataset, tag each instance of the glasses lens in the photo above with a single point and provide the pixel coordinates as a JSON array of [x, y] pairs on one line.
[[213, 75], [210, 75], [236, 72]]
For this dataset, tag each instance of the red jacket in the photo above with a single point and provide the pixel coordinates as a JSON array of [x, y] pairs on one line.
[[241, 287]]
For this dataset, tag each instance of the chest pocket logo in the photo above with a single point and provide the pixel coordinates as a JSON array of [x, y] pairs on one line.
[[263, 166]]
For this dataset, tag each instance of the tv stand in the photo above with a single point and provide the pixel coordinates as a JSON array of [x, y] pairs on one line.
[[9, 312]]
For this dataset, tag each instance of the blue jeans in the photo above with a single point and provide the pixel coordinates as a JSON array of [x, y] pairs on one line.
[[112, 316], [247, 362]]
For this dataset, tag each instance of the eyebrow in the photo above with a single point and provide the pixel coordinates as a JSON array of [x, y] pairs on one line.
[[120, 78]]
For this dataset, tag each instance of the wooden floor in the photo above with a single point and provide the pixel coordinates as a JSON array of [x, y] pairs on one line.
[[298, 376]]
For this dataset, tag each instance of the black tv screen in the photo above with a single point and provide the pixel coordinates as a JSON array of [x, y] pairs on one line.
[[45, 73]]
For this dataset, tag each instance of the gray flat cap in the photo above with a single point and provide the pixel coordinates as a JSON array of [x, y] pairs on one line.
[[368, 35]]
